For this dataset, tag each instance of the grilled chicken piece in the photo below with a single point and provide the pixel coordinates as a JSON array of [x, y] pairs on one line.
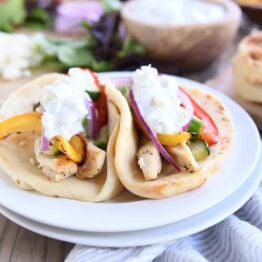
[[95, 158], [183, 157], [55, 168], [149, 160]]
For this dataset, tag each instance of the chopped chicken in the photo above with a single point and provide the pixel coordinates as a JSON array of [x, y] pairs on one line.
[[183, 157], [55, 168], [95, 158], [149, 160]]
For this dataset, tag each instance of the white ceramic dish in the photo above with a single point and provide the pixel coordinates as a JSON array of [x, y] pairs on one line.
[[176, 230], [119, 216]]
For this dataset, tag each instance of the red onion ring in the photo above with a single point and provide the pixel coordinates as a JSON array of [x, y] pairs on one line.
[[44, 143], [92, 128], [150, 133], [188, 106]]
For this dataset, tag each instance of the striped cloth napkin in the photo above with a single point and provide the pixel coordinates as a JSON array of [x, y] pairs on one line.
[[236, 239]]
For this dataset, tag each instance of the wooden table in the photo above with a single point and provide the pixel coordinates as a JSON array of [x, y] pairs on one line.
[[18, 244]]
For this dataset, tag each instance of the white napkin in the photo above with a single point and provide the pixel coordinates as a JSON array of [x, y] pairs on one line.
[[238, 238]]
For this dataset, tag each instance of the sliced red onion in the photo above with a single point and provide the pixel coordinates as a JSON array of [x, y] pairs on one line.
[[70, 15], [92, 127], [188, 106], [121, 81], [150, 133], [44, 143]]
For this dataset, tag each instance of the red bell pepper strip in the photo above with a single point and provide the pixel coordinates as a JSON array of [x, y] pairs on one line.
[[101, 107], [209, 131], [94, 75], [101, 103]]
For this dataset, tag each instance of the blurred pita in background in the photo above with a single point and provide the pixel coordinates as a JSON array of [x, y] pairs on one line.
[[247, 68]]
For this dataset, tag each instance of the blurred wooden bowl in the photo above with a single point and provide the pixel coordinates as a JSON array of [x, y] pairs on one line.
[[190, 47]]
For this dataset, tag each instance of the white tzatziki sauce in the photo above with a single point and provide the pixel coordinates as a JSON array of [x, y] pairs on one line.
[[18, 53], [157, 99], [64, 104], [169, 12]]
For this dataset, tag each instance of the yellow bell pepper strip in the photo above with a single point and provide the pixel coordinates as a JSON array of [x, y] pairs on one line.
[[173, 139], [21, 123], [65, 147], [79, 145]]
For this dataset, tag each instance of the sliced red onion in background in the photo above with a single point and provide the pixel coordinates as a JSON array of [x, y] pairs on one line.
[[92, 127], [70, 15], [67, 25], [45, 3], [44, 142], [189, 108], [122, 32], [122, 81], [150, 133], [91, 10]]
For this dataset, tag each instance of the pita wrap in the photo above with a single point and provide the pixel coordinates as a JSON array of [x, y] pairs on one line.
[[17, 153], [169, 182]]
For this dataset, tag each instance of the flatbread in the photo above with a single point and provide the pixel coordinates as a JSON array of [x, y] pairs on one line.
[[247, 68], [17, 156], [169, 182]]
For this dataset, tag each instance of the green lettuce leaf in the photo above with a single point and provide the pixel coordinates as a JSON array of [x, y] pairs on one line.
[[12, 13], [39, 18], [111, 5], [75, 56], [131, 47]]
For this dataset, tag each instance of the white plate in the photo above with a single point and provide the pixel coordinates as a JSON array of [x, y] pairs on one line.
[[176, 230], [137, 215]]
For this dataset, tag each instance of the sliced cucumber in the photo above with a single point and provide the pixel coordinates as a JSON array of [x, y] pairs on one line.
[[124, 90], [102, 139], [195, 126], [200, 149], [94, 94], [84, 122], [52, 151], [102, 145]]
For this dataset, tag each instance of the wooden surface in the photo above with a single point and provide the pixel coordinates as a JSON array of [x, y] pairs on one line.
[[18, 244]]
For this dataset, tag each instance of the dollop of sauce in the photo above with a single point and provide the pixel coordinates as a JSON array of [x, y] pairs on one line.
[[18, 53], [169, 12], [64, 104], [157, 98]]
